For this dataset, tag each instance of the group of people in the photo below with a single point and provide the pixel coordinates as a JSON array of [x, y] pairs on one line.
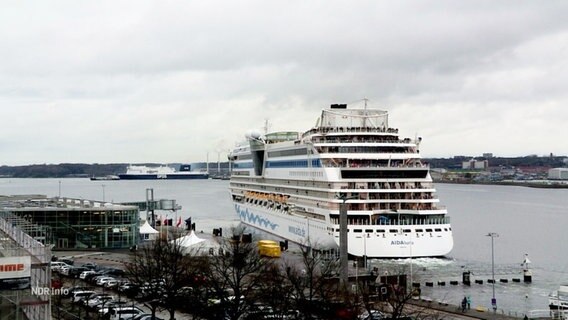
[[466, 303]]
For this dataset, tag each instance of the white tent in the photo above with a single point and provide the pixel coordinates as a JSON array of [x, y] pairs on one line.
[[193, 244], [147, 232]]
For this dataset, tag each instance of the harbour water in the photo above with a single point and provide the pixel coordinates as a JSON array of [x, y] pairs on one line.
[[528, 220]]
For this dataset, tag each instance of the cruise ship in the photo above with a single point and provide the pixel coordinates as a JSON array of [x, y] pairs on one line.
[[293, 185]]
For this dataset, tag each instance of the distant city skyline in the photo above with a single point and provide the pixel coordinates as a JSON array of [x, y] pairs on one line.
[[169, 82]]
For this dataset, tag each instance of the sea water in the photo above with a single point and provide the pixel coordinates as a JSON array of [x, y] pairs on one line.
[[528, 221]]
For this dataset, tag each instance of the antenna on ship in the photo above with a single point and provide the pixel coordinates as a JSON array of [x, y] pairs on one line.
[[266, 126], [366, 100]]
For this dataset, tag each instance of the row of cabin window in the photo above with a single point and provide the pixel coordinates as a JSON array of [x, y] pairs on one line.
[[397, 230]]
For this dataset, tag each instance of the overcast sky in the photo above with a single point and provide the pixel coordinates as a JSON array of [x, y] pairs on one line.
[[170, 81]]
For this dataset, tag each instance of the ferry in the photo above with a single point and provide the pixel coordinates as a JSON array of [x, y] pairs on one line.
[[295, 185], [134, 172]]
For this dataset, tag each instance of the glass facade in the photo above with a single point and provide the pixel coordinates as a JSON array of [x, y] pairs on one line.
[[87, 225]]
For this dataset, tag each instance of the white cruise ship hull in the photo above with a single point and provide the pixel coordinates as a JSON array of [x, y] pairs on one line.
[[378, 241]]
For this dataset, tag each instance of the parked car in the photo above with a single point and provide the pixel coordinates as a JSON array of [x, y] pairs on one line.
[[111, 284], [371, 315], [69, 261], [92, 266], [75, 272], [146, 316], [57, 265], [92, 278], [113, 272], [64, 270], [112, 304], [78, 296], [69, 292], [114, 312], [92, 303], [102, 280], [84, 274]]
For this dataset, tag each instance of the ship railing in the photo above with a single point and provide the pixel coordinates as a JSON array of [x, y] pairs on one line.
[[349, 129], [325, 140]]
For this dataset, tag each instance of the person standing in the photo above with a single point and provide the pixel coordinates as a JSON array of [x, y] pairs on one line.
[[468, 302]]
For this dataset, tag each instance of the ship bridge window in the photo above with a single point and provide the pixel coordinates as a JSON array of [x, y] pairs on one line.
[[368, 230], [445, 229], [407, 230], [419, 230], [438, 230], [393, 230], [428, 230], [285, 153], [384, 174], [357, 230], [380, 230]]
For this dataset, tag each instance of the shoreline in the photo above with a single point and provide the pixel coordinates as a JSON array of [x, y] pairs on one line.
[[541, 185]]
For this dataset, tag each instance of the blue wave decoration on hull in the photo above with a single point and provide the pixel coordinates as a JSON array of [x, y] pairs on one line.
[[254, 218]]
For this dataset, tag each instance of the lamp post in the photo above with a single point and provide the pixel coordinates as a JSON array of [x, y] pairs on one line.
[[493, 235], [343, 255]]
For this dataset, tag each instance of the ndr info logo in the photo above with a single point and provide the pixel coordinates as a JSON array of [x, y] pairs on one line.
[[46, 291]]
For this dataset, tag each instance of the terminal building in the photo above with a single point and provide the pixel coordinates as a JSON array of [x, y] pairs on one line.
[[68, 223]]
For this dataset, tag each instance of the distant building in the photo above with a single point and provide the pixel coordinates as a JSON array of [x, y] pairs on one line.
[[488, 155], [558, 174], [475, 164]]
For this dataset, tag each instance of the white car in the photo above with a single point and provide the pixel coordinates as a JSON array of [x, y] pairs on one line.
[[111, 283], [80, 295], [84, 274], [92, 303], [64, 270], [103, 280], [120, 312], [57, 265]]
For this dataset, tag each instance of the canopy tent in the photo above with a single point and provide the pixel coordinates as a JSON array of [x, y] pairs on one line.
[[191, 243], [147, 232]]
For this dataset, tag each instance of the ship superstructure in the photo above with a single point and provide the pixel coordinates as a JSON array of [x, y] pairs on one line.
[[292, 184]]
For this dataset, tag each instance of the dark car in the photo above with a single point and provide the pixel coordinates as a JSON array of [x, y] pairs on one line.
[[76, 271], [69, 261], [91, 266], [113, 272]]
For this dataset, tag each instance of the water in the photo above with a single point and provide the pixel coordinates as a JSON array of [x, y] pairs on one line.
[[527, 220]]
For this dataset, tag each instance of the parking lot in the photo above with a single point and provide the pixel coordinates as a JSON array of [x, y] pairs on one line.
[[94, 286]]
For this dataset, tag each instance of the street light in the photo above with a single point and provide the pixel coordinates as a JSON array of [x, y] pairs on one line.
[[343, 255], [493, 300]]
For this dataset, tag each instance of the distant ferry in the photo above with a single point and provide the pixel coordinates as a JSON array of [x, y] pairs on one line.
[[292, 185], [107, 177], [163, 172]]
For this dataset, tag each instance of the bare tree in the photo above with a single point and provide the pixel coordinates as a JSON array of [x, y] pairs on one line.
[[314, 282], [162, 270], [234, 277]]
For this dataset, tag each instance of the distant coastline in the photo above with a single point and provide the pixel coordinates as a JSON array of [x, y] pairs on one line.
[[530, 184]]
